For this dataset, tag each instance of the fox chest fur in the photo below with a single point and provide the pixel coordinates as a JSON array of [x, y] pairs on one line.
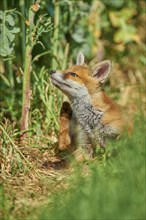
[[89, 119], [86, 115]]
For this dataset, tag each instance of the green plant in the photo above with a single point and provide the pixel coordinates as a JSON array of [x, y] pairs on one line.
[[8, 31], [34, 32], [43, 90], [13, 154]]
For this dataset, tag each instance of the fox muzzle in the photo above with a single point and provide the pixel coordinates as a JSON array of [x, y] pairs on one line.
[[52, 71]]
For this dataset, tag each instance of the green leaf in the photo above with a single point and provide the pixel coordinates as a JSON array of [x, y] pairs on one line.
[[5, 48], [127, 13], [114, 18], [5, 79], [3, 52], [7, 34], [15, 30], [118, 17], [114, 3], [125, 35], [10, 20], [78, 36]]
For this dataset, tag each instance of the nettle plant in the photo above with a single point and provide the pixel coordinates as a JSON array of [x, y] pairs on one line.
[[8, 31], [33, 33]]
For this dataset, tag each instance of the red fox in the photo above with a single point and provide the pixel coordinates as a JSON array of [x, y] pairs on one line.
[[91, 117]]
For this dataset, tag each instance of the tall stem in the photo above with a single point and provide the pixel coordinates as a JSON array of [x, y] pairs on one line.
[[27, 71], [56, 33], [23, 31]]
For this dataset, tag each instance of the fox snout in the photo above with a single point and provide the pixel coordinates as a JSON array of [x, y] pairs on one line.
[[52, 71]]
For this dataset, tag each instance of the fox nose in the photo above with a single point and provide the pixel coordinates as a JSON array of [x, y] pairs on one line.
[[52, 71]]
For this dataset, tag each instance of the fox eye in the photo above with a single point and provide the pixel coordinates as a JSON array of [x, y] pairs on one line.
[[73, 74]]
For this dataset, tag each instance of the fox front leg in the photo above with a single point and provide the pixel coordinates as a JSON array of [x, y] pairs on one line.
[[64, 140], [82, 145]]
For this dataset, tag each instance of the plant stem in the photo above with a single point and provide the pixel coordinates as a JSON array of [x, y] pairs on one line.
[[23, 34], [27, 71], [56, 33], [5, 5], [66, 52]]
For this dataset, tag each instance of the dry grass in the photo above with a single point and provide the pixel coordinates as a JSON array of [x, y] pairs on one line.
[[29, 175]]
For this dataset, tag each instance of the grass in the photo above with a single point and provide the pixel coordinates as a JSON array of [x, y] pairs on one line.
[[114, 189], [112, 186]]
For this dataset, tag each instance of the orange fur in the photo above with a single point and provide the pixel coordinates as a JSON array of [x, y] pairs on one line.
[[64, 139]]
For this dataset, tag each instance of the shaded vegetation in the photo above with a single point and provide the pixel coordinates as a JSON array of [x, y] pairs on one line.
[[114, 189]]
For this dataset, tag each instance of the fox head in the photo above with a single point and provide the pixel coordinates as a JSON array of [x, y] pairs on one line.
[[80, 80]]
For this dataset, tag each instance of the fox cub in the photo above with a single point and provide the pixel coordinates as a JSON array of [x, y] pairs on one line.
[[91, 117]]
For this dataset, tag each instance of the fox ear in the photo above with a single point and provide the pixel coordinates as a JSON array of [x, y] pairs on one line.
[[80, 59], [102, 70]]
